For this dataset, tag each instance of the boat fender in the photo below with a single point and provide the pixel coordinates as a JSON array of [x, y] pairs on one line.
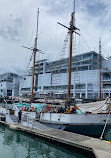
[[59, 128]]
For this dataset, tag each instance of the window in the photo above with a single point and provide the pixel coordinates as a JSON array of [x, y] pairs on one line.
[[89, 86], [63, 71], [87, 56], [83, 68], [9, 92], [80, 86], [25, 89], [94, 56], [107, 86], [57, 87], [106, 76], [90, 96]]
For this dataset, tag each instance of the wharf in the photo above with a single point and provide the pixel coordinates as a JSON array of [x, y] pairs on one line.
[[100, 148]]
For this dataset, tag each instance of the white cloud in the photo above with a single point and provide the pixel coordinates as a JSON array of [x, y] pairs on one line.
[[18, 27]]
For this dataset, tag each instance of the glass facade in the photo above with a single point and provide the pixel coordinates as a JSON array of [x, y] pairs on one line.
[[86, 61], [106, 76], [80, 86], [61, 87], [25, 89], [9, 92], [107, 86]]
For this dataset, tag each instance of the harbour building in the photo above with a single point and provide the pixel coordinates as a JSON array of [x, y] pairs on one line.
[[51, 78], [9, 84]]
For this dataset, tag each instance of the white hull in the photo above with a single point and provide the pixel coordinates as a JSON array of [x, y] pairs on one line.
[[86, 124], [75, 119]]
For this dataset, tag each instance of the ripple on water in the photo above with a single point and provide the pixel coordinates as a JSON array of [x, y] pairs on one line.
[[16, 144]]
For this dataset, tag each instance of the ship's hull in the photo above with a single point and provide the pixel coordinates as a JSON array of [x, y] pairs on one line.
[[89, 124], [88, 130]]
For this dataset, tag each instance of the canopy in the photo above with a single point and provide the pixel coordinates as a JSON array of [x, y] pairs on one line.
[[96, 107], [22, 104], [38, 106]]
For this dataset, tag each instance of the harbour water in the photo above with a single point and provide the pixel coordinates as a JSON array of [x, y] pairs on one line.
[[16, 144]]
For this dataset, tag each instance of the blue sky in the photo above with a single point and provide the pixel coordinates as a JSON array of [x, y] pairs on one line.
[[18, 27]]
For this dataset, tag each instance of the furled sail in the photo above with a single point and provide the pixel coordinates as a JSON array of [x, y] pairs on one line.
[[96, 107]]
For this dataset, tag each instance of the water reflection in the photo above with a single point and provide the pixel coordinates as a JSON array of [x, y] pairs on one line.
[[16, 144]]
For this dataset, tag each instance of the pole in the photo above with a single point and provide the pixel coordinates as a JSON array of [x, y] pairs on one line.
[[71, 29], [74, 13], [100, 69], [70, 56], [34, 58], [37, 23]]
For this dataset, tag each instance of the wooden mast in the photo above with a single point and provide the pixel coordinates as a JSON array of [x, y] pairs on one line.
[[34, 58], [70, 57], [71, 29], [100, 69]]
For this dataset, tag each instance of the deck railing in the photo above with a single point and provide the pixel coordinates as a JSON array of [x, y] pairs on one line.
[[27, 120]]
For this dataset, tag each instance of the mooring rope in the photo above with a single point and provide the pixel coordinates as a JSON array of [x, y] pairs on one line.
[[105, 126]]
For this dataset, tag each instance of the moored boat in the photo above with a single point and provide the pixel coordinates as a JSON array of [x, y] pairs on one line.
[[90, 121], [94, 117]]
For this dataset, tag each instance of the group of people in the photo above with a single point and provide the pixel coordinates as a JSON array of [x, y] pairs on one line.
[[61, 109], [67, 110], [48, 109], [28, 108]]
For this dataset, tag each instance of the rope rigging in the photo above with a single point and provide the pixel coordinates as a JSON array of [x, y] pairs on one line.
[[62, 55], [28, 59], [74, 45], [85, 43], [101, 16]]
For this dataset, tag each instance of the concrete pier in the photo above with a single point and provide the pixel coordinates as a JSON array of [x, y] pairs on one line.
[[100, 148]]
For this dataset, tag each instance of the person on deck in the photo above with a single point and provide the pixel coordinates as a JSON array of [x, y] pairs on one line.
[[73, 110], [24, 109], [19, 116]]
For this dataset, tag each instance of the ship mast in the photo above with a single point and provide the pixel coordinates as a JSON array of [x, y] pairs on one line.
[[70, 56], [72, 29], [100, 69], [34, 58]]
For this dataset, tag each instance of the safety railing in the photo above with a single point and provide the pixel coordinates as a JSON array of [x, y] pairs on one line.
[[27, 120]]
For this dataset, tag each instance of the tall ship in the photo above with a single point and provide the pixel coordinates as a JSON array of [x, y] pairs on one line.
[[89, 119]]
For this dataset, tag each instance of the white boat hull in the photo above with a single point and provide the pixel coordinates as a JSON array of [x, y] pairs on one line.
[[86, 124], [75, 119]]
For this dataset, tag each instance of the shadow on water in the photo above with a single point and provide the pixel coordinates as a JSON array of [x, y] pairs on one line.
[[16, 144]]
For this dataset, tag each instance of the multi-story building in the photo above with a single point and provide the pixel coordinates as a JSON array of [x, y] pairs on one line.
[[52, 77], [9, 84]]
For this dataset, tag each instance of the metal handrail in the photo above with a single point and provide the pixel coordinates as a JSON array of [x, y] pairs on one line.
[[30, 118]]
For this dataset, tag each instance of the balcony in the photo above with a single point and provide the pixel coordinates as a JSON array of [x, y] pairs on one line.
[[106, 79]]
